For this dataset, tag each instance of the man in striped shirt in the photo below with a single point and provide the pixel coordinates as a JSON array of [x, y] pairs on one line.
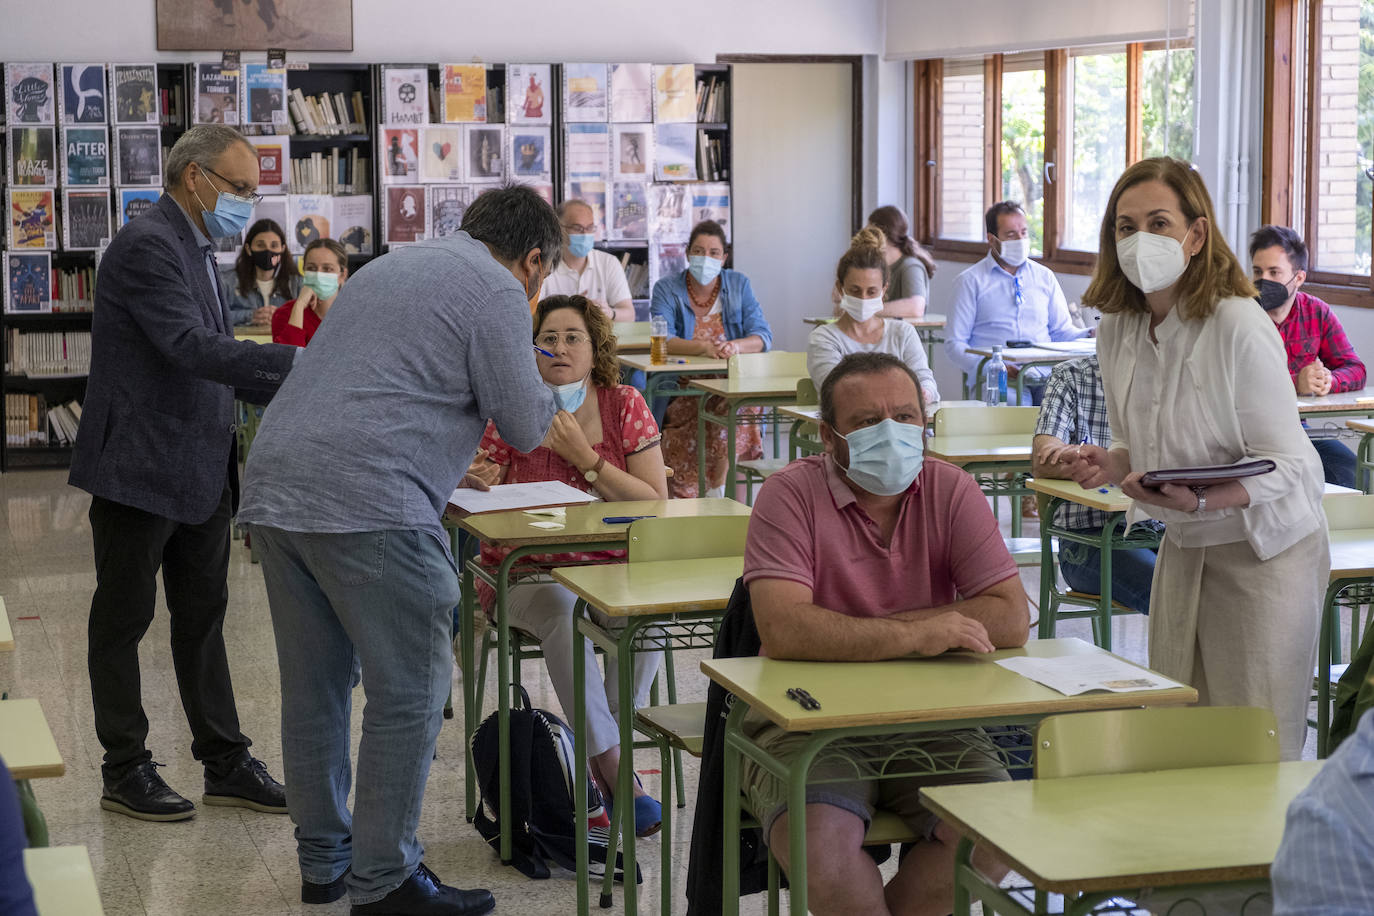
[[1320, 357]]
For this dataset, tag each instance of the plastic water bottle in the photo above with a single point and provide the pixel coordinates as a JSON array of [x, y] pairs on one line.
[[995, 379]]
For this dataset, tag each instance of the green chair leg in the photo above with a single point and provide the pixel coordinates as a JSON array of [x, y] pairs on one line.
[[35, 825], [671, 674]]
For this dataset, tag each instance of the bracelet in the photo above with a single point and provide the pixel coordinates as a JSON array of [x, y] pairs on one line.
[[1201, 494]]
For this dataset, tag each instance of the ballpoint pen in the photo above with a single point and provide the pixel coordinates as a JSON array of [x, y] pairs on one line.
[[542, 350], [624, 519]]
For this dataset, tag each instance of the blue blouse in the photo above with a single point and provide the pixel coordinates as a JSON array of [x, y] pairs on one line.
[[740, 310]]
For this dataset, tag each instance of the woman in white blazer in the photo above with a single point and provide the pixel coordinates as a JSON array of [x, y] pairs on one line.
[[1195, 375]]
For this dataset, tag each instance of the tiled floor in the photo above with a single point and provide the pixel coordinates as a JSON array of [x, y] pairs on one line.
[[228, 860]]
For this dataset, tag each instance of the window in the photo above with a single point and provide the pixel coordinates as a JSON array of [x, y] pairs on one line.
[[1166, 102], [961, 151], [1096, 106], [1023, 141]]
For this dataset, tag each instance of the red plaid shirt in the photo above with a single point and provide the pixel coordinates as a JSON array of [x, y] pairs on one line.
[[1311, 332]]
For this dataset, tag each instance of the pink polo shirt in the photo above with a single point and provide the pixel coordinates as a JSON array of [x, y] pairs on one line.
[[807, 527]]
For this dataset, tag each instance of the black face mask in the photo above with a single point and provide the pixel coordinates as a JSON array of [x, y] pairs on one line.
[[1272, 294], [265, 260]]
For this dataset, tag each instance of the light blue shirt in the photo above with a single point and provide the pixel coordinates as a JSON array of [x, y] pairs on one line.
[[740, 310], [207, 251], [1322, 867], [985, 310]]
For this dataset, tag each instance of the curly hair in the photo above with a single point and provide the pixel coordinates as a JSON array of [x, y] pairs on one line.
[[865, 253], [605, 366]]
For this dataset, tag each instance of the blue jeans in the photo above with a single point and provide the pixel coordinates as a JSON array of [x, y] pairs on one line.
[[1132, 572], [1338, 462], [383, 600]]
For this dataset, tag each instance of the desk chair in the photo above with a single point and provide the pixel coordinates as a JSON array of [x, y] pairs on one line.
[[998, 478], [763, 468]]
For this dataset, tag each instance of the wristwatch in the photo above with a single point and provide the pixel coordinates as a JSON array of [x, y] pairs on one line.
[[1201, 494], [593, 472]]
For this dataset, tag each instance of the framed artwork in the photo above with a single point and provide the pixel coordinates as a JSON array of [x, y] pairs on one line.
[[296, 25]]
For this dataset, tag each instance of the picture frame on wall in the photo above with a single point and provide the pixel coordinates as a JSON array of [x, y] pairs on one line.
[[295, 25]]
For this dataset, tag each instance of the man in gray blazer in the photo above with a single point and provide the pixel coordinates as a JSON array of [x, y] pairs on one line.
[[156, 453]]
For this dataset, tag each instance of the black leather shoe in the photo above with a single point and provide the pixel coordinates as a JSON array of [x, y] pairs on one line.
[[324, 893], [247, 785], [141, 793], [422, 894]]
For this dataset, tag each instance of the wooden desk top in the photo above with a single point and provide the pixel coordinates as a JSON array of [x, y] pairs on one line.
[[658, 587], [1130, 830], [976, 449], [1363, 426], [679, 364], [631, 336], [258, 333], [1111, 501], [928, 320], [6, 634], [1334, 403], [26, 742], [583, 524], [1352, 553], [63, 881], [944, 688], [810, 413], [761, 386]]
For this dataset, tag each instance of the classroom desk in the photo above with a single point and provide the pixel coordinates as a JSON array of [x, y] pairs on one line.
[[1022, 358], [632, 337], [986, 457], [1115, 504], [1351, 584], [29, 751], [681, 601], [582, 530], [1092, 838], [1364, 453], [887, 704], [739, 394], [800, 415], [63, 881], [661, 380], [6, 634], [258, 333], [1345, 404], [928, 328]]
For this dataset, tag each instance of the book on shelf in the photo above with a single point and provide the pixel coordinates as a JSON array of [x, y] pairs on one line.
[[138, 157], [82, 96], [264, 98], [464, 93], [405, 215], [528, 93], [30, 94], [335, 171], [710, 158], [85, 219], [447, 204], [30, 422], [73, 289], [32, 218], [632, 93], [326, 114], [309, 219], [712, 98], [675, 153], [274, 156], [401, 156], [135, 94], [629, 211], [636, 276], [584, 92], [632, 152], [484, 148], [39, 354], [217, 94], [528, 153], [28, 282], [353, 223], [405, 96], [441, 156], [711, 200], [31, 156], [86, 156], [133, 202], [172, 106], [673, 96]]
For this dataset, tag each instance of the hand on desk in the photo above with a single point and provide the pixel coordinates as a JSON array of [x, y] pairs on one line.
[[1086, 465], [1314, 379], [263, 315], [951, 630]]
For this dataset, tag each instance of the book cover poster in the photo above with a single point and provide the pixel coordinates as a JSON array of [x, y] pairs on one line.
[[138, 152], [593, 194], [632, 93], [675, 98], [274, 163], [264, 96], [670, 212], [527, 94], [28, 282], [134, 202], [29, 95], [712, 201], [629, 210], [133, 89], [529, 154], [486, 153], [83, 93], [584, 92], [217, 94], [587, 151], [32, 156], [33, 218], [86, 156], [272, 207], [309, 219], [666, 259], [464, 93], [447, 204], [85, 220], [675, 152], [405, 96], [405, 214], [401, 155], [441, 158], [353, 223], [632, 147]]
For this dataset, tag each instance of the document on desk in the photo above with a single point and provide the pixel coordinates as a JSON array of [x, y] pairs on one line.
[[1075, 674], [504, 497], [1085, 346]]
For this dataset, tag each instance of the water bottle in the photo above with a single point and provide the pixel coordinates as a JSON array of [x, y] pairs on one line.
[[995, 379]]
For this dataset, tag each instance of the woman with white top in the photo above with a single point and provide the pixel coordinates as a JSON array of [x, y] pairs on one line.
[[1195, 376], [861, 280]]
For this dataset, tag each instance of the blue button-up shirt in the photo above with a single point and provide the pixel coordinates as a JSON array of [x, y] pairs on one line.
[[991, 307], [207, 251]]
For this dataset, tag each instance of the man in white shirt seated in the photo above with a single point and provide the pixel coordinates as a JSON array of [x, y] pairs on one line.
[[585, 271], [1007, 297]]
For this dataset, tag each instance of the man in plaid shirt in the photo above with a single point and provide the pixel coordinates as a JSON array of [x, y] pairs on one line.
[[1073, 412], [1320, 358]]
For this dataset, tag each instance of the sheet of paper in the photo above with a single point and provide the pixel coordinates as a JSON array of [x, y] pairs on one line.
[[1086, 346], [1075, 674], [509, 496]]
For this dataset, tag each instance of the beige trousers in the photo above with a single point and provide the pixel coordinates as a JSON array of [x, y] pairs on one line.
[[1241, 630]]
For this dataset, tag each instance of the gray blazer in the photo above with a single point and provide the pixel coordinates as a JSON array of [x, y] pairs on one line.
[[157, 426]]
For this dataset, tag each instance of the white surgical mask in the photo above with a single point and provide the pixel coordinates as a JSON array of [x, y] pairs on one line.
[[861, 309], [1151, 262], [1015, 251], [569, 397]]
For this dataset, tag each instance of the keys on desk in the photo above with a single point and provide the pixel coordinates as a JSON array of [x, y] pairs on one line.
[[804, 699]]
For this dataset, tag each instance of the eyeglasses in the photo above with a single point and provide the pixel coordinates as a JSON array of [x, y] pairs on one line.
[[1016, 289], [578, 229], [242, 192], [572, 339]]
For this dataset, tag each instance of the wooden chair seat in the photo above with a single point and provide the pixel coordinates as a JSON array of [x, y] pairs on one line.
[[681, 725], [1117, 606]]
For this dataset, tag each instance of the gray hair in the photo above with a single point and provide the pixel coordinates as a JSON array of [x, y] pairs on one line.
[[202, 144], [571, 202]]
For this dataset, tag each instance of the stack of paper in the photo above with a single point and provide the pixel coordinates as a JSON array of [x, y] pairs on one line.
[[1075, 674], [505, 497]]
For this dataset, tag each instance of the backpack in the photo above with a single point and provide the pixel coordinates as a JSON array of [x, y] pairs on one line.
[[543, 828]]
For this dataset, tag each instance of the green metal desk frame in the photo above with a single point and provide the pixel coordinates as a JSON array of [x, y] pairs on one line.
[[731, 421], [1353, 593]]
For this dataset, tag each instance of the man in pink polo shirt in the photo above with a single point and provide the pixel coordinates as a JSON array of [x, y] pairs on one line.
[[869, 552]]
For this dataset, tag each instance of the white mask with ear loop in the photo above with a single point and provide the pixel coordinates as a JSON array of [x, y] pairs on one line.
[[1150, 261]]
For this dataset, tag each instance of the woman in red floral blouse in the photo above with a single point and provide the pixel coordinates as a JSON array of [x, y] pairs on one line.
[[603, 440]]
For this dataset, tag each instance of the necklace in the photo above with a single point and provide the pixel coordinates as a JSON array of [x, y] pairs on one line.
[[710, 300]]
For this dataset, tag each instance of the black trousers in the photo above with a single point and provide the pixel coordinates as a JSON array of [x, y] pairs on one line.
[[130, 546]]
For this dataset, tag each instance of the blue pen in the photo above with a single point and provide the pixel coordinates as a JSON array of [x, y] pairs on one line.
[[624, 519], [542, 350]]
